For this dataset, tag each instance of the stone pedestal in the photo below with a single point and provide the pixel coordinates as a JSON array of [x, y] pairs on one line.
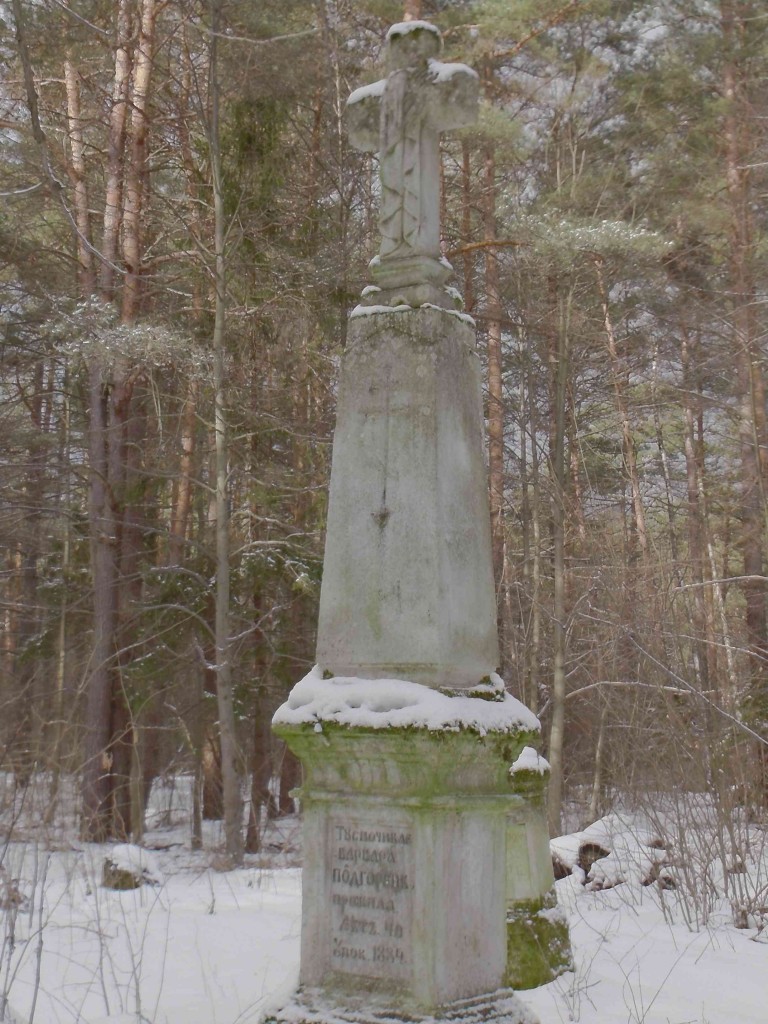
[[428, 887], [427, 877]]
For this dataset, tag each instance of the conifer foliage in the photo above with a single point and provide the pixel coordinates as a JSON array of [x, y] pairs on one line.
[[184, 230]]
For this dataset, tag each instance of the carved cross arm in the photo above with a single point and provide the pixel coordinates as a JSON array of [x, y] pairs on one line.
[[364, 116], [455, 100]]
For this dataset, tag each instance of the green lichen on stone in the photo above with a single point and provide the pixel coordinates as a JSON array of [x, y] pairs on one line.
[[538, 945], [411, 761], [484, 690], [515, 732]]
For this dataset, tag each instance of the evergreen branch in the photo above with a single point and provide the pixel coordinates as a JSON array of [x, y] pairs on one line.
[[555, 19], [493, 243]]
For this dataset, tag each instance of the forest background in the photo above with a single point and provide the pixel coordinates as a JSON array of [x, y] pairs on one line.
[[183, 233]]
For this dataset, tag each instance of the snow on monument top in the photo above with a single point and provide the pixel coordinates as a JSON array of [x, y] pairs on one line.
[[439, 71], [385, 703], [403, 28], [530, 760]]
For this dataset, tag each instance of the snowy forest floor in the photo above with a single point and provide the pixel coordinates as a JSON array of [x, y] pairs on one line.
[[207, 946]]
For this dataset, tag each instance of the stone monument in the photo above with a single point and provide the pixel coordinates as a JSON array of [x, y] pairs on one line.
[[428, 886]]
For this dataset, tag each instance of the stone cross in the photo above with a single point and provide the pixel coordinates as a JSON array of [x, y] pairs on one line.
[[401, 117], [427, 886]]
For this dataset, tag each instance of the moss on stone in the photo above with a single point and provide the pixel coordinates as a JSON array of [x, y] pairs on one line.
[[538, 944], [483, 691], [413, 762]]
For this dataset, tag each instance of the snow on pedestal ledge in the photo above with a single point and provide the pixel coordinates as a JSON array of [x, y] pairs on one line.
[[398, 703], [530, 760]]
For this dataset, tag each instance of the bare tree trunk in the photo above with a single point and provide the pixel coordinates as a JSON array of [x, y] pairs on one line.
[[25, 716], [466, 223], [230, 754], [597, 777], [261, 772], [133, 195], [532, 509], [98, 789], [86, 269], [620, 384], [121, 478], [751, 401], [182, 502], [127, 431], [290, 778], [97, 778], [574, 467], [495, 419], [559, 367], [197, 743], [115, 151], [213, 798], [57, 730], [705, 642]]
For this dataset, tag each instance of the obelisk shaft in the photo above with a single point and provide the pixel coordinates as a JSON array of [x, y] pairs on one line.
[[407, 584], [407, 581]]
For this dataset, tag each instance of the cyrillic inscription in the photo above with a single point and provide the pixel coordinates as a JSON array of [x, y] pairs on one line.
[[371, 892]]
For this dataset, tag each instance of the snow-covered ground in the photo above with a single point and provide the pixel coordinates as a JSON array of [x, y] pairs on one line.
[[204, 946], [637, 963]]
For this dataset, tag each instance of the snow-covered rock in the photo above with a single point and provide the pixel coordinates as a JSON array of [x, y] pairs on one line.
[[127, 866], [609, 852]]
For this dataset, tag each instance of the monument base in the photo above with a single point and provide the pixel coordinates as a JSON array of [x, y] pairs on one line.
[[538, 943], [310, 1007], [427, 874]]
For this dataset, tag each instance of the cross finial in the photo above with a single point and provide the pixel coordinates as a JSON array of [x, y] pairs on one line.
[[402, 117], [410, 43]]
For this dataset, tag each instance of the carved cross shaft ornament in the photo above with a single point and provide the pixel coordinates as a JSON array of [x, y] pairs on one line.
[[401, 117]]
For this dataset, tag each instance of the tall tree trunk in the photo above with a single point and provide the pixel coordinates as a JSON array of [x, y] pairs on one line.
[[261, 807], [466, 224], [135, 170], [559, 372], [493, 315], [212, 787], [58, 726], [620, 385], [115, 152], [115, 454], [230, 754], [532, 533], [753, 435], [26, 701], [706, 661], [127, 430], [86, 268], [97, 777], [98, 821], [182, 501]]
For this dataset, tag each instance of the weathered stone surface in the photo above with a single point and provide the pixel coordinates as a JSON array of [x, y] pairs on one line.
[[407, 585], [427, 878], [538, 943], [401, 117], [410, 840], [311, 1007]]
